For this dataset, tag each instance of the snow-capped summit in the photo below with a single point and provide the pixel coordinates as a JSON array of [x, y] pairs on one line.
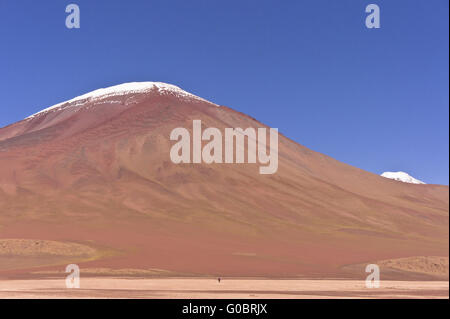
[[402, 177], [121, 89]]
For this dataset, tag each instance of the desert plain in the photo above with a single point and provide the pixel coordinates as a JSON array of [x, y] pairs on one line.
[[210, 288]]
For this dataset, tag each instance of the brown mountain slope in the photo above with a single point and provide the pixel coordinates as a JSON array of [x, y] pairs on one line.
[[99, 174]]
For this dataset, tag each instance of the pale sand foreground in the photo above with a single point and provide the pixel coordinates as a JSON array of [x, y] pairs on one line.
[[228, 288]]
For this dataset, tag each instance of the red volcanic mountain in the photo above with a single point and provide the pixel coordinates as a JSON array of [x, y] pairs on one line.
[[91, 181]]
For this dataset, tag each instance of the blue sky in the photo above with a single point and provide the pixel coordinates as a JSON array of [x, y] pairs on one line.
[[377, 99]]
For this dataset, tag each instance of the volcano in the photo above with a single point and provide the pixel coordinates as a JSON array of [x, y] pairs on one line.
[[95, 172]]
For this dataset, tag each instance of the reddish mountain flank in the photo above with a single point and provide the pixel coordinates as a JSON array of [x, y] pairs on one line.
[[95, 172]]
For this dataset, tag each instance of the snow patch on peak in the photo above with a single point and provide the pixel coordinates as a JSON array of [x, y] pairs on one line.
[[121, 89], [402, 177]]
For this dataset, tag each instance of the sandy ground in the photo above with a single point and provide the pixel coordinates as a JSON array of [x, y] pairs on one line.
[[228, 288]]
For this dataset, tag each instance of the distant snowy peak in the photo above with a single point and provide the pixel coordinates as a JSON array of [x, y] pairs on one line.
[[402, 177], [121, 89]]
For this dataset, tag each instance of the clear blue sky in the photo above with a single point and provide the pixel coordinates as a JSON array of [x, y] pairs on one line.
[[377, 99]]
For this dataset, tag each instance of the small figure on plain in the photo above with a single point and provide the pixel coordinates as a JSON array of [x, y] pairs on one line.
[[218, 279]]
